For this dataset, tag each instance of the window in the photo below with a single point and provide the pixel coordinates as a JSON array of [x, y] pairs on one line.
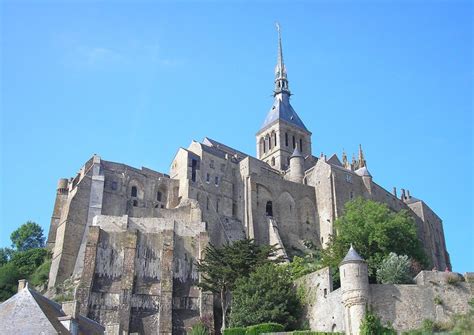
[[273, 161], [208, 177], [286, 139], [264, 146], [269, 209], [134, 191], [348, 178], [207, 203], [159, 196], [352, 195], [217, 206], [301, 145], [269, 140], [294, 142], [211, 164], [275, 139], [135, 203], [325, 292], [216, 180], [114, 185], [193, 169], [234, 209]]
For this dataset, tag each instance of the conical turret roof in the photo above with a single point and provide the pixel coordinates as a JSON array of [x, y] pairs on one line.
[[352, 256]]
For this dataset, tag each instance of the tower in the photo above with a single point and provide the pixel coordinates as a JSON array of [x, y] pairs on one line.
[[296, 166], [355, 290], [282, 131]]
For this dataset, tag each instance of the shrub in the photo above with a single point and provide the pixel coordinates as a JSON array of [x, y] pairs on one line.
[[437, 300], [41, 275], [27, 261], [394, 269], [8, 280], [371, 325], [453, 279], [198, 329], [264, 328], [235, 331]]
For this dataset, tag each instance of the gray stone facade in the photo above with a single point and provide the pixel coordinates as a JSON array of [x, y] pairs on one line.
[[433, 296], [130, 236]]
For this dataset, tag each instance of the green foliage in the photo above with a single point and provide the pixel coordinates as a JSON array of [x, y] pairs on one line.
[[9, 277], [375, 231], [264, 328], [300, 266], [453, 279], [371, 325], [198, 329], [28, 236], [5, 255], [221, 267], [26, 262], [267, 295], [394, 270], [40, 276], [437, 300], [235, 331], [464, 324], [310, 332]]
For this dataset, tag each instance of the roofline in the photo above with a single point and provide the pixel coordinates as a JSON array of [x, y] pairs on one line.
[[282, 121]]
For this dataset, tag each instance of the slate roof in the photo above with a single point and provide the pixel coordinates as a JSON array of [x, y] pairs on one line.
[[28, 312], [282, 110], [296, 153], [352, 256]]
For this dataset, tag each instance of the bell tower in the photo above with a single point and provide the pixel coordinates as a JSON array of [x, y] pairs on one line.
[[282, 131]]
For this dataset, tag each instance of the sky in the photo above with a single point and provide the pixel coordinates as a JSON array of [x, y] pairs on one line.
[[134, 81]]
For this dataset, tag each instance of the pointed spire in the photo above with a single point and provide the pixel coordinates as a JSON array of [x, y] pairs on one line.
[[362, 162], [281, 81], [345, 162], [296, 153]]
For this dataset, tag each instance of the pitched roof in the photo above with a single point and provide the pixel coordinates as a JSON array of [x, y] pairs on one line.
[[352, 256], [28, 312], [282, 110]]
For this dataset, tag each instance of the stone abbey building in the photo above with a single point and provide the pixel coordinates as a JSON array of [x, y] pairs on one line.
[[129, 237]]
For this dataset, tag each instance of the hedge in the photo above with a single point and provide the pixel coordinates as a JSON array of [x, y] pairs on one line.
[[264, 328], [235, 331]]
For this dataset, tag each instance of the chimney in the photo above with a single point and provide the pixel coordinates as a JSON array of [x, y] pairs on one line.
[[22, 283], [71, 308], [395, 192], [403, 194], [408, 193]]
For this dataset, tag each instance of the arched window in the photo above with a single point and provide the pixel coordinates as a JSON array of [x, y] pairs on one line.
[[301, 145], [275, 139], [262, 145], [269, 209], [134, 191], [159, 196], [286, 139], [294, 142]]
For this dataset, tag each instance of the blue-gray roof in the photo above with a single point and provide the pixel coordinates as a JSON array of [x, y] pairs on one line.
[[352, 256], [282, 110]]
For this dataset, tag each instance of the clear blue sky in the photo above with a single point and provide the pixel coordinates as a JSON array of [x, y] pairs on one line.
[[133, 81]]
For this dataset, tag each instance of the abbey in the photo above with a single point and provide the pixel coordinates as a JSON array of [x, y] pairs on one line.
[[129, 237]]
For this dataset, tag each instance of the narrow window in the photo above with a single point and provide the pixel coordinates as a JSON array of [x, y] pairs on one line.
[[325, 292], [211, 164], [301, 145], [134, 191], [275, 139], [216, 180], [269, 140], [234, 209], [286, 139], [269, 209], [217, 206], [352, 195], [135, 203], [208, 177], [158, 196], [294, 142], [207, 203], [264, 146], [193, 169], [114, 185], [273, 161]]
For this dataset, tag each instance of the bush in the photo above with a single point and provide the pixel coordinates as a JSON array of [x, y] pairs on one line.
[[394, 270], [8, 280], [198, 329], [453, 279], [235, 331], [26, 262], [371, 325], [264, 328]]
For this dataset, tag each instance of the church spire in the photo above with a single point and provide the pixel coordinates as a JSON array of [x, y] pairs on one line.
[[281, 80], [362, 162]]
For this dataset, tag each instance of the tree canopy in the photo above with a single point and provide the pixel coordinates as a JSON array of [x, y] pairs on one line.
[[267, 295], [375, 231], [221, 267], [28, 236]]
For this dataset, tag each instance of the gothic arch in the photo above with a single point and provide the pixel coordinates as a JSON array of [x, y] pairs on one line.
[[135, 185]]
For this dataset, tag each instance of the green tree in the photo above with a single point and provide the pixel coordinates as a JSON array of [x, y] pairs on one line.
[[221, 267], [26, 262], [375, 231], [371, 325], [5, 255], [8, 280], [267, 295], [28, 236], [394, 269]]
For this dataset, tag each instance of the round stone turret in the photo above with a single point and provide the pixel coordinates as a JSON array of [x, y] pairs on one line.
[[62, 186], [355, 290], [297, 166]]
